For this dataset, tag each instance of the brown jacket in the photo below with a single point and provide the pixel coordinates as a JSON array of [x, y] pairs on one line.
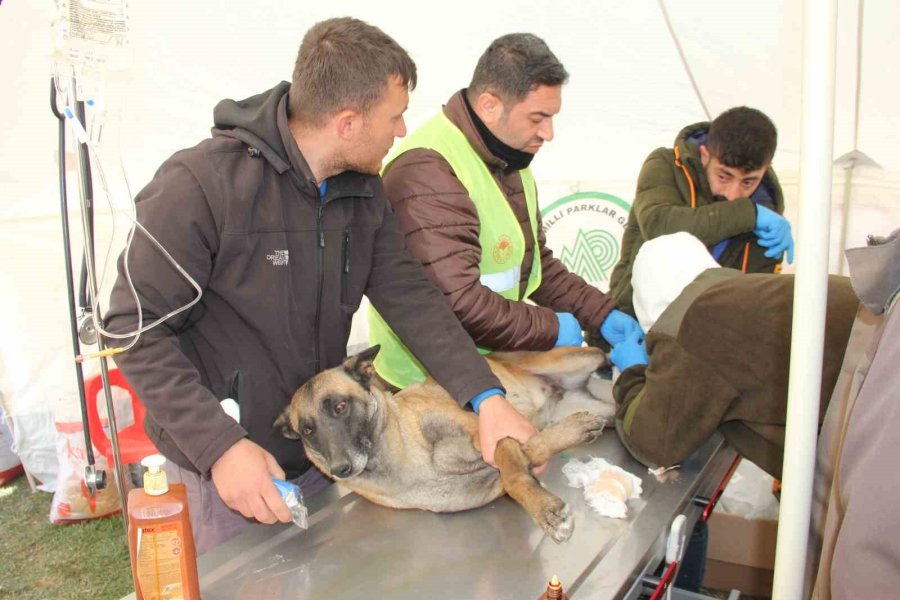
[[440, 222], [719, 359], [283, 268]]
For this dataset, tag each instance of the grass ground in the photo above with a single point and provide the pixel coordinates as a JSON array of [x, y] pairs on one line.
[[41, 560]]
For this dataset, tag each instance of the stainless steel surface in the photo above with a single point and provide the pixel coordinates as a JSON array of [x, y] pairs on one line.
[[355, 549]]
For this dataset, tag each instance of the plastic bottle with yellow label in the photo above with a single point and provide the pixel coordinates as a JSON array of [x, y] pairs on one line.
[[160, 539]]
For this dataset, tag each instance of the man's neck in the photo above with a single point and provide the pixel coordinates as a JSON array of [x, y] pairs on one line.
[[514, 159], [315, 150]]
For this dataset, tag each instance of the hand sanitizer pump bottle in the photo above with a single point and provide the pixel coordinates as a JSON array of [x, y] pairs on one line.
[[160, 539]]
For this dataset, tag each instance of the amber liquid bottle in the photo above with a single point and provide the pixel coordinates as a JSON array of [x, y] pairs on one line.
[[554, 591], [163, 559]]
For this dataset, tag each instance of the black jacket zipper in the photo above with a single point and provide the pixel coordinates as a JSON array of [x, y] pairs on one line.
[[346, 250], [345, 279], [320, 254]]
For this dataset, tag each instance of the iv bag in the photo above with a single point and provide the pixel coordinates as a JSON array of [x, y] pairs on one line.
[[92, 35]]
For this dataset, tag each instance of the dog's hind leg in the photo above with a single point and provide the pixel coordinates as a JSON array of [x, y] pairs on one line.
[[577, 428], [549, 512], [569, 367]]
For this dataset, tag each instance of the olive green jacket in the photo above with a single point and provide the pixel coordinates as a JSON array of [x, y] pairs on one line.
[[662, 205], [719, 360]]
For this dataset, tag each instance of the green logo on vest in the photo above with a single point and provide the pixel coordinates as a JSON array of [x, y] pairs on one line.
[[585, 231], [502, 249]]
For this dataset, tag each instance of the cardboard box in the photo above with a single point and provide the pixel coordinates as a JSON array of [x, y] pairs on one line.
[[741, 554]]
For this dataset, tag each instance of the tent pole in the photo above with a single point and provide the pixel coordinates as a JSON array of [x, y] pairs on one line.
[[848, 180], [845, 215], [811, 288]]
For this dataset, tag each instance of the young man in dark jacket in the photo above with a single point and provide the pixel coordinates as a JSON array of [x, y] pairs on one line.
[[717, 184], [281, 220], [466, 200]]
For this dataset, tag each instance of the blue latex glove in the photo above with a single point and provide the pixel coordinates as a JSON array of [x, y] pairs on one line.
[[618, 326], [569, 330], [629, 352], [774, 233]]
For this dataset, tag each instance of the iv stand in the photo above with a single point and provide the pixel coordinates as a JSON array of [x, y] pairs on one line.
[[94, 480]]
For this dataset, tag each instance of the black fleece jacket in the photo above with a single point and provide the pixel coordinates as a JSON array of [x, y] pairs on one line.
[[282, 272]]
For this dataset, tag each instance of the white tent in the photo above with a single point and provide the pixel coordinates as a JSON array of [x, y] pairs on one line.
[[629, 92]]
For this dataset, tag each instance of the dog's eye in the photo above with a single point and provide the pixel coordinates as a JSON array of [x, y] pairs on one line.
[[340, 407], [307, 431]]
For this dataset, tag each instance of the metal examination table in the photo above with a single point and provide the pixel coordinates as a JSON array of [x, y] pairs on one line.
[[356, 550]]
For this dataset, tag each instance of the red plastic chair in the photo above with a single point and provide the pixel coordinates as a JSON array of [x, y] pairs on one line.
[[133, 442]]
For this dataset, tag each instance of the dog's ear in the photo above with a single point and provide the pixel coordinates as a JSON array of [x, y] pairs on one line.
[[283, 425], [361, 367]]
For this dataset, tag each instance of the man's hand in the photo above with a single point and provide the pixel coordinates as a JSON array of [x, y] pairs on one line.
[[629, 352], [569, 330], [774, 233], [618, 326], [243, 478], [497, 419]]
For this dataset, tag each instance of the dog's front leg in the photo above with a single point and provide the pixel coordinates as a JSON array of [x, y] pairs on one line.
[[549, 512], [578, 428]]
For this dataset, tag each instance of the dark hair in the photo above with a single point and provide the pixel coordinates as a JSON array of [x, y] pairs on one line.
[[514, 65], [743, 138], [344, 63]]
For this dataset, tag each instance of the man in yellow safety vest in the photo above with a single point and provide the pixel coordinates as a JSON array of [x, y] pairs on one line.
[[466, 201]]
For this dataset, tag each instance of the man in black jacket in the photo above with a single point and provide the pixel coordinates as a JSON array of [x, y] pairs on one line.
[[281, 220]]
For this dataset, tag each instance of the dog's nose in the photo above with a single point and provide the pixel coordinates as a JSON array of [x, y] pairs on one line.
[[342, 469]]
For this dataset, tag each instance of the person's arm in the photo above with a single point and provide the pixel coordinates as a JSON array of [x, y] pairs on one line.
[[669, 407], [175, 210], [660, 208], [441, 226], [416, 310], [564, 291]]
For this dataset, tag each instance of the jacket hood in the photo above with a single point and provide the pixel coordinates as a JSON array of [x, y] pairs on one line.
[[254, 121], [695, 134], [875, 271], [663, 268]]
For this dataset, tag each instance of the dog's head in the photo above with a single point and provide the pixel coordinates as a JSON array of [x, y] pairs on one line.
[[335, 414]]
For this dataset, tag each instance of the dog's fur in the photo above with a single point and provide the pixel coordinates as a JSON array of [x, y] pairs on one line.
[[419, 449]]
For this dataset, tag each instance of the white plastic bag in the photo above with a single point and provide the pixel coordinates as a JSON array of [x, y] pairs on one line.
[[34, 442], [71, 501], [10, 465], [749, 494]]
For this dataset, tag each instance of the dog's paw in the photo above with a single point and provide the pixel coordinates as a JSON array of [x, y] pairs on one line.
[[556, 519], [590, 425]]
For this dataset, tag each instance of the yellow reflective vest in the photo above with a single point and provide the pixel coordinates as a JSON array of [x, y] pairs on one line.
[[500, 236]]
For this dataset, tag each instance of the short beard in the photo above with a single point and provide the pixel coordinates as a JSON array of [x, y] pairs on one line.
[[340, 164]]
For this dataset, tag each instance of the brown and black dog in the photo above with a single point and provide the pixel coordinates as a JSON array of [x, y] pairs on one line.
[[419, 449]]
